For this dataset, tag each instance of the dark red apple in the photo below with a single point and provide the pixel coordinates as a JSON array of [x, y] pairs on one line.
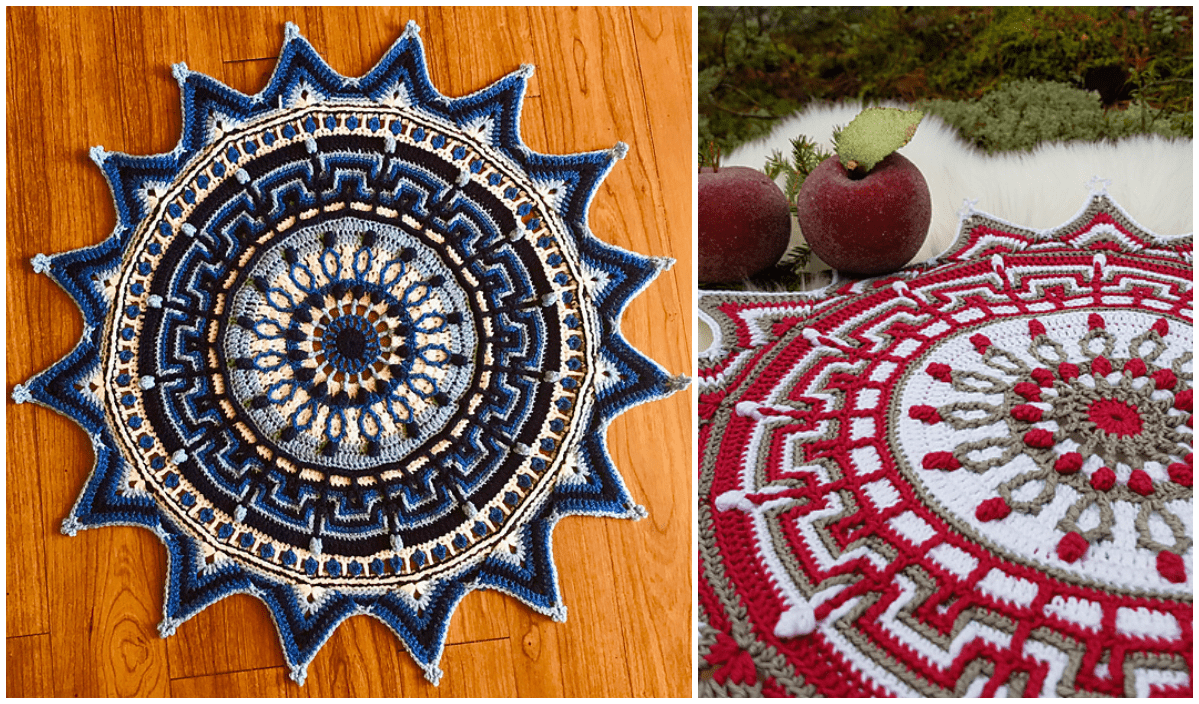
[[865, 226], [744, 223]]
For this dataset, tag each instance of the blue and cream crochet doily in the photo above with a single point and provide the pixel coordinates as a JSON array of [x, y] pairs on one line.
[[351, 348]]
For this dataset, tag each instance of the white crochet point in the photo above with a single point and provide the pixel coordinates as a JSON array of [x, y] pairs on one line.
[[188, 229], [525, 71], [662, 263], [299, 673], [411, 30], [551, 299], [310, 145], [180, 72], [168, 626], [20, 394], [967, 208], [242, 176], [1098, 185], [146, 382], [41, 263], [678, 383], [154, 300], [98, 155], [620, 150], [799, 620], [239, 514], [291, 32], [463, 178], [316, 547], [71, 525], [397, 543], [432, 672], [179, 457]]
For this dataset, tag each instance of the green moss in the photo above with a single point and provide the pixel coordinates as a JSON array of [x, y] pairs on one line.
[[758, 64], [1022, 114]]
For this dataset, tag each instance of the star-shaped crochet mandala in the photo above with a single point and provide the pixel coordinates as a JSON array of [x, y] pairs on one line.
[[351, 348]]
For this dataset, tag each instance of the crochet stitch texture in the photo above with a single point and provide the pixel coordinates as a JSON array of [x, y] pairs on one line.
[[351, 348], [973, 477]]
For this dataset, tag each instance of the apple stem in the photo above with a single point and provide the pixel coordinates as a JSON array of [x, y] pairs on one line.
[[713, 156]]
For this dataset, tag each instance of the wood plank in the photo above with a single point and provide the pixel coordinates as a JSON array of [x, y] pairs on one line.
[[94, 76], [236, 633], [657, 604], [107, 580], [25, 573], [266, 682], [479, 669], [27, 666]]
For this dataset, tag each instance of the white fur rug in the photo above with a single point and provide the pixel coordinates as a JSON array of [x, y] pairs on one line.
[[1152, 178]]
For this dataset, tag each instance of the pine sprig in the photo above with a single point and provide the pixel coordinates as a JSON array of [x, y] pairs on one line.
[[806, 155]]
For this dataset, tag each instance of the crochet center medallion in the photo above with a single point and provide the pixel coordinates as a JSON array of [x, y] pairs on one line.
[[970, 478], [351, 349]]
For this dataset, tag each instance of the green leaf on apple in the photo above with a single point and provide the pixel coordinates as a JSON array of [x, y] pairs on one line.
[[873, 135]]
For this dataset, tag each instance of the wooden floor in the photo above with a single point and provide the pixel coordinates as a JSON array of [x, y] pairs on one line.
[[82, 612]]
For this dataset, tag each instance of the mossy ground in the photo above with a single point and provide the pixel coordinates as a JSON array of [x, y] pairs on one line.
[[1076, 72]]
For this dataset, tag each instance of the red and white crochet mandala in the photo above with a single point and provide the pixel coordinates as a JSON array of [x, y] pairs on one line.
[[968, 478]]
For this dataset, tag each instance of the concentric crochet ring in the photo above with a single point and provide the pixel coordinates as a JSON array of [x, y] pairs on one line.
[[351, 349], [973, 477]]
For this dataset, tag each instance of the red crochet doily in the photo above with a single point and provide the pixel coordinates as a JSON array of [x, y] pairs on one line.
[[972, 477]]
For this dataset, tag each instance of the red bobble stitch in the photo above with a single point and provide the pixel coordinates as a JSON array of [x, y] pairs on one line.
[[1161, 327], [1070, 463], [1028, 390], [993, 509], [1100, 366], [1181, 474], [1190, 458], [1039, 437], [939, 371], [941, 460], [1103, 479], [1042, 376], [928, 414], [1136, 367], [1182, 400], [1140, 482], [734, 663], [1171, 566], [1164, 379], [1067, 371], [1035, 329], [981, 342], [1094, 320], [1072, 546], [1028, 414]]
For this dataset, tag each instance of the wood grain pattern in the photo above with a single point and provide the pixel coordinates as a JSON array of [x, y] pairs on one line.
[[82, 612]]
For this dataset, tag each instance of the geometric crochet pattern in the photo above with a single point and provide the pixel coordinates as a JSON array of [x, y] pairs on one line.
[[351, 349], [969, 478]]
